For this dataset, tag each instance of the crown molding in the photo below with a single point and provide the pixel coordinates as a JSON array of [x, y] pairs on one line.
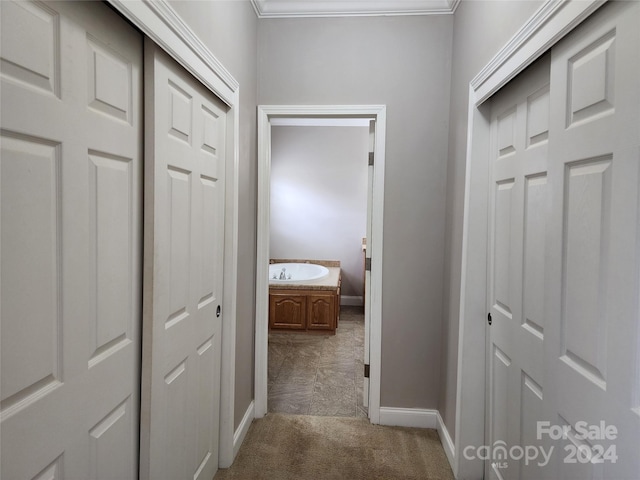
[[552, 21], [351, 8]]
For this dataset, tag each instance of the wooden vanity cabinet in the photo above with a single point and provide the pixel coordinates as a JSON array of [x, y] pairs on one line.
[[307, 308], [303, 310]]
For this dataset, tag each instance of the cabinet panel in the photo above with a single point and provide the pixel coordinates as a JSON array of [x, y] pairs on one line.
[[287, 311], [321, 311]]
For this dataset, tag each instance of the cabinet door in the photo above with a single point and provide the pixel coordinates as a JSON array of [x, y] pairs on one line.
[[287, 311], [321, 311]]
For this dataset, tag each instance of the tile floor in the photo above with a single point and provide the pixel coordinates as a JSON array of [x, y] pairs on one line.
[[314, 374]]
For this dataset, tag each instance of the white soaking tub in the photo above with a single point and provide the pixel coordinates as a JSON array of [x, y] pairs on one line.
[[296, 272]]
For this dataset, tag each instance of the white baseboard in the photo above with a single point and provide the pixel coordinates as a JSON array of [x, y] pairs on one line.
[[447, 443], [421, 418], [409, 417], [243, 428], [349, 300]]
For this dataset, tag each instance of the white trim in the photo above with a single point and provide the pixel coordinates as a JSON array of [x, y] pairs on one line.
[[420, 418], [265, 113], [328, 8], [319, 122], [159, 21], [447, 443], [356, 301], [243, 428], [262, 264], [409, 417], [230, 294], [553, 20]]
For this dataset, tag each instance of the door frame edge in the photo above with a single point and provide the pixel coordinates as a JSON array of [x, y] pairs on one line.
[[265, 112]]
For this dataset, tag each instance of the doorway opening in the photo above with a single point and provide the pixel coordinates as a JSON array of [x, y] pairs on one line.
[[267, 115], [319, 183]]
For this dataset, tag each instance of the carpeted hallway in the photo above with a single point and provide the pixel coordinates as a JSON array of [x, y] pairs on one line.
[[299, 447], [321, 376]]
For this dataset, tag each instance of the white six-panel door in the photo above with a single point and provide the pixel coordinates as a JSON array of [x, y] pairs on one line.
[[564, 345], [593, 254], [520, 138], [184, 242], [71, 186]]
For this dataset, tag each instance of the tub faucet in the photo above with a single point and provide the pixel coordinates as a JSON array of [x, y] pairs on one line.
[[283, 275]]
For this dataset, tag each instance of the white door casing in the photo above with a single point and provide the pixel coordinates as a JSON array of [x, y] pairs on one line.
[[71, 189], [184, 246], [564, 344], [367, 273], [374, 244]]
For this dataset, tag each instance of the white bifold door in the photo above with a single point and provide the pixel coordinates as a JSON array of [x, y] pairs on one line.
[[71, 186], [563, 358], [184, 242]]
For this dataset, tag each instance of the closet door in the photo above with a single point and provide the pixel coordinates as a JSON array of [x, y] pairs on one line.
[[592, 335], [564, 344], [70, 168], [519, 164], [184, 251]]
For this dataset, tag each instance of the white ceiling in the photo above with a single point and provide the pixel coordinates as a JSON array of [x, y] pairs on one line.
[[349, 8]]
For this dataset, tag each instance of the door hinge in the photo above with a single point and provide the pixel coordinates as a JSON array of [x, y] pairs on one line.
[[489, 319], [367, 264], [366, 371], [371, 156]]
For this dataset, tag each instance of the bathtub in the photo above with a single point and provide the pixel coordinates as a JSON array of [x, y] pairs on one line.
[[296, 272], [308, 301]]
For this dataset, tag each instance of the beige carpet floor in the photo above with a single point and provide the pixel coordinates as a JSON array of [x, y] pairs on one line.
[[300, 447]]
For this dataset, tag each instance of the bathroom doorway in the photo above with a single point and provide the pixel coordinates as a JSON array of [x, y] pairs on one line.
[[318, 213], [371, 314]]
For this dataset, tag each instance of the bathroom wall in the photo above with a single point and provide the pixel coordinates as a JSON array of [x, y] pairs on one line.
[[319, 197], [481, 28], [404, 63], [229, 29]]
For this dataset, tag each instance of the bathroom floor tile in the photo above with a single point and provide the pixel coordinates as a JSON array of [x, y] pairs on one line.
[[319, 374], [290, 398], [334, 377]]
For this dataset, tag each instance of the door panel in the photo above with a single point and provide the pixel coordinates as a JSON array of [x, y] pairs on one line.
[[185, 234], [520, 130], [71, 141]]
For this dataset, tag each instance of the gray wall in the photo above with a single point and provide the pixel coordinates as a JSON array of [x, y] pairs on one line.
[[229, 29], [481, 28], [403, 62], [319, 197]]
